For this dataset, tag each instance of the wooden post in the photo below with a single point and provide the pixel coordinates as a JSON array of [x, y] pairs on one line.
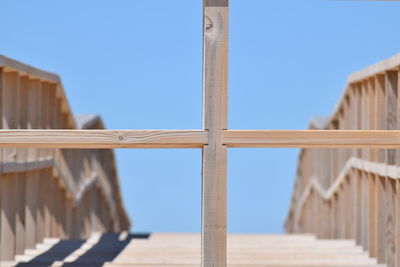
[[215, 90], [21, 159], [9, 87], [380, 120], [391, 124]]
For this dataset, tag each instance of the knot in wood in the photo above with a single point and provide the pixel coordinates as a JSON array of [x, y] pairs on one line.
[[208, 23], [121, 138]]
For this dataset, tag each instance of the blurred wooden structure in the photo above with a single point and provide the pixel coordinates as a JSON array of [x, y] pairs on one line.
[[64, 193], [184, 250], [69, 192], [355, 193]]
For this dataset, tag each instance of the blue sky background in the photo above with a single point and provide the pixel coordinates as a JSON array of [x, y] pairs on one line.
[[137, 63]]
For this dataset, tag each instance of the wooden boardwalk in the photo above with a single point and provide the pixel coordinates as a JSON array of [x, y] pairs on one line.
[[51, 186], [183, 250]]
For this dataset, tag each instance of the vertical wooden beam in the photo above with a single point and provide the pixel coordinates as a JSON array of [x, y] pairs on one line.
[[397, 196], [8, 192], [21, 159], [372, 218], [215, 90], [364, 116], [31, 177], [391, 119], [380, 124], [46, 180], [40, 218]]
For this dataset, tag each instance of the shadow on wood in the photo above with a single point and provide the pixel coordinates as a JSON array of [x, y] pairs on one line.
[[108, 247]]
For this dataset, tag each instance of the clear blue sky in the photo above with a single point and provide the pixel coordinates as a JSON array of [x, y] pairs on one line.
[[137, 63]]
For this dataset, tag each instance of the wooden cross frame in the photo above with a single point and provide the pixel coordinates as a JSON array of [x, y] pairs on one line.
[[213, 139]]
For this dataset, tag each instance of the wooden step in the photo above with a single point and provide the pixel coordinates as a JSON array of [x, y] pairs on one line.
[[181, 250]]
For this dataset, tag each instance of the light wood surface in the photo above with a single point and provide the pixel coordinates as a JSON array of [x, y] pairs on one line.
[[369, 106], [354, 191], [312, 138], [215, 111], [199, 138], [45, 192], [171, 249], [103, 138]]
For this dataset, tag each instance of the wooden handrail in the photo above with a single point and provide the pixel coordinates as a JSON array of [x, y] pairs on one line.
[[355, 193], [64, 193], [311, 138], [390, 64], [103, 138], [380, 169]]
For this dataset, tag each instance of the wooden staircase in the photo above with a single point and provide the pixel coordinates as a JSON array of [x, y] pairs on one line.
[[54, 193], [183, 250]]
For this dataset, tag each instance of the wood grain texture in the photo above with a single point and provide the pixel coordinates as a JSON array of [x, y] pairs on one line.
[[215, 110], [377, 69], [30, 194], [391, 106], [8, 194], [103, 138], [390, 197], [183, 250], [312, 138]]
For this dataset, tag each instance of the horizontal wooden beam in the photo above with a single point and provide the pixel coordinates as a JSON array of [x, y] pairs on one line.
[[199, 138], [312, 138], [103, 138]]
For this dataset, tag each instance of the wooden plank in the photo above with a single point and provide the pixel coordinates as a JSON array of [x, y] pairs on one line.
[[381, 223], [364, 119], [390, 188], [198, 138], [372, 213], [215, 101], [7, 217], [32, 177], [21, 159], [377, 68], [380, 124], [103, 138], [397, 230], [397, 196], [8, 192], [311, 138], [357, 180], [38, 124]]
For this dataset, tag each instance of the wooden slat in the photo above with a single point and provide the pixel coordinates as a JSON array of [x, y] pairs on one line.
[[198, 138], [380, 120], [103, 138], [372, 213], [390, 187], [31, 177], [312, 138], [397, 196], [215, 101], [41, 191], [8, 189], [21, 160]]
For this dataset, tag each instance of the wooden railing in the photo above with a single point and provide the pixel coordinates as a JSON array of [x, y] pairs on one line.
[[355, 193], [64, 193], [214, 138]]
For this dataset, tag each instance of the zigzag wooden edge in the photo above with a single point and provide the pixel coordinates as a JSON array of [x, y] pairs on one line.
[[11, 65], [379, 68], [380, 169]]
